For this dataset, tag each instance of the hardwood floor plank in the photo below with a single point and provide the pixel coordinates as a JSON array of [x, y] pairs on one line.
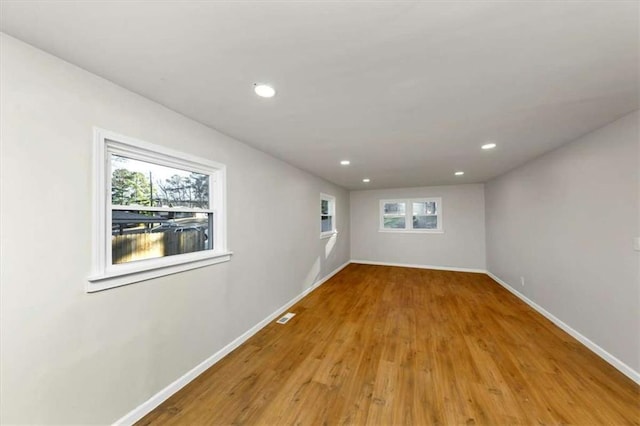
[[400, 346]]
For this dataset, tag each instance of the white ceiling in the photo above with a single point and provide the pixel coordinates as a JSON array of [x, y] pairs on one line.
[[408, 91]]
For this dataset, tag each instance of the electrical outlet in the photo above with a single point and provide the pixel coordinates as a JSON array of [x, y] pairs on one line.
[[636, 243], [522, 281]]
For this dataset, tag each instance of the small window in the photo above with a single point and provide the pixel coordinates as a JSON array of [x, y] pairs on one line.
[[158, 212], [411, 215], [425, 215], [394, 215], [327, 215]]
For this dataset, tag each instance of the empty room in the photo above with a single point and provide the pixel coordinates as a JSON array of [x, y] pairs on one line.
[[319, 212]]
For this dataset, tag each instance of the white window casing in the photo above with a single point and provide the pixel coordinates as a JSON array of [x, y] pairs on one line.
[[107, 275], [411, 215], [327, 216]]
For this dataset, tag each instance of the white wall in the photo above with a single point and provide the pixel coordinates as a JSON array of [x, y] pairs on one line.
[[566, 222], [460, 246], [68, 357]]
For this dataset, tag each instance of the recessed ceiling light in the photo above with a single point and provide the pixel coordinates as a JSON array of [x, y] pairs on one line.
[[459, 173], [366, 180], [490, 145], [264, 90], [345, 162]]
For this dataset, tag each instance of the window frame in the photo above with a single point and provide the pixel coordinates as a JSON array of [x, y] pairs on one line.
[[409, 229], [332, 213], [106, 275]]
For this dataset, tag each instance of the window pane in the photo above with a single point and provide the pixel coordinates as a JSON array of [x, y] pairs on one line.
[[394, 222], [327, 223], [425, 222], [139, 235], [394, 209], [394, 215], [324, 207], [135, 182], [424, 208]]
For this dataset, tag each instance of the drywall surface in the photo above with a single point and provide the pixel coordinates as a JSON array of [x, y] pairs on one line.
[[565, 222], [461, 245], [68, 357]]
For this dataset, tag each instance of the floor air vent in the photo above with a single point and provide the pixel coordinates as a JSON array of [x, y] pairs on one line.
[[285, 319]]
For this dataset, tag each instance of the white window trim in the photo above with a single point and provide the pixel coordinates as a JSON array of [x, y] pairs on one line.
[[104, 274], [332, 212], [409, 216]]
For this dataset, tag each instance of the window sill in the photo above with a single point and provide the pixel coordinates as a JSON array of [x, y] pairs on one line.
[[116, 279], [330, 234], [412, 231]]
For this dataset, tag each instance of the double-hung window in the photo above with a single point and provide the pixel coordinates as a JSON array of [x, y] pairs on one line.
[[157, 212], [327, 215], [411, 215]]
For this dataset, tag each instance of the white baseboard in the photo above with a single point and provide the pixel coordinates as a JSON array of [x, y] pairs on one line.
[[406, 265], [157, 399], [619, 365]]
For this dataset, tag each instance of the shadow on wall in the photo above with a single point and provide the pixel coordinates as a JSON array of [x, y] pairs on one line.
[[330, 245], [312, 275], [315, 271]]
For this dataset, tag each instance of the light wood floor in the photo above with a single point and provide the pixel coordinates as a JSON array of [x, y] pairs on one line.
[[397, 346]]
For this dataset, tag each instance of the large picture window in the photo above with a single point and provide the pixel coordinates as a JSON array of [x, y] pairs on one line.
[[158, 212], [411, 215]]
